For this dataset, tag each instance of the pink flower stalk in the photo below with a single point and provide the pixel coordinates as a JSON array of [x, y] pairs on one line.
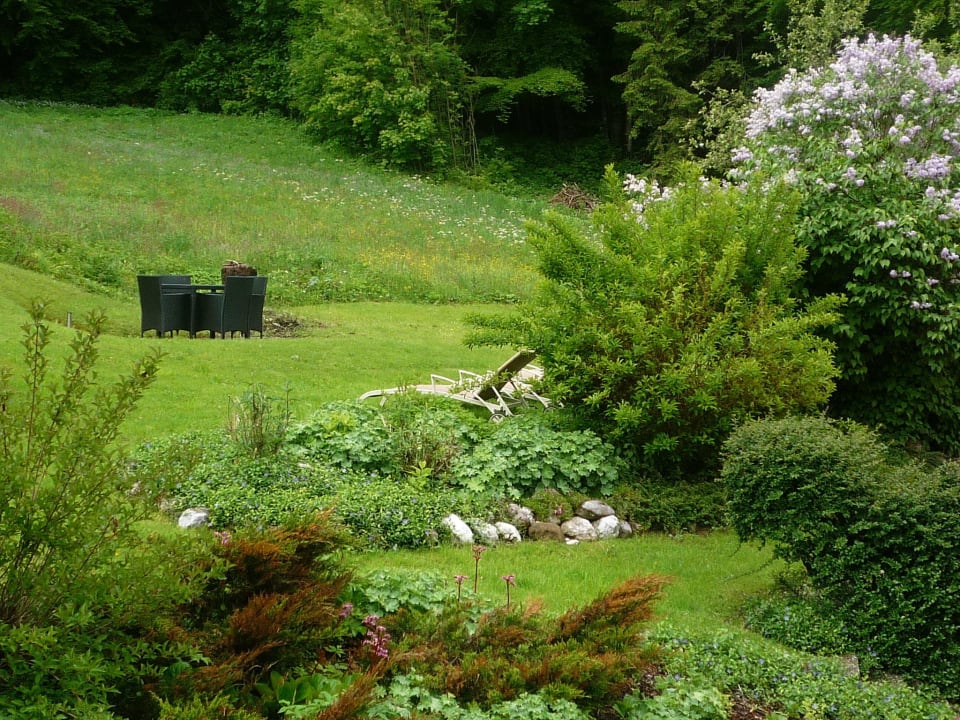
[[459, 580], [509, 580], [377, 637], [478, 550]]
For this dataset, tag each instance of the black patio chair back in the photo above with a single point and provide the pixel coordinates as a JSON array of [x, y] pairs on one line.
[[255, 320], [226, 312], [166, 311]]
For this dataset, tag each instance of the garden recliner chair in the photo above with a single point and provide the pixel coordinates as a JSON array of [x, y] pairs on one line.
[[164, 310], [499, 391]]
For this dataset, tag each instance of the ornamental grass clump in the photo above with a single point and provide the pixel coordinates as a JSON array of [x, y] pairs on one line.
[[871, 142]]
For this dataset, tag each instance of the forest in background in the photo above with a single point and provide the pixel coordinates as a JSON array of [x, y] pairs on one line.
[[537, 91]]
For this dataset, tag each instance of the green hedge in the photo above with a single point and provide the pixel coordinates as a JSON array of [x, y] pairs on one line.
[[877, 535]]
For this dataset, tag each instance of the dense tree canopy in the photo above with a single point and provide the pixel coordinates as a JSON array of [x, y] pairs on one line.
[[615, 79], [383, 76], [678, 49]]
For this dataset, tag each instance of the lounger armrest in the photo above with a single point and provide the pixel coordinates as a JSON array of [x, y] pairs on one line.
[[440, 380]]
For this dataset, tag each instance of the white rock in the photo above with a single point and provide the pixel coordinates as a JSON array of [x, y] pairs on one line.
[[607, 527], [194, 517], [522, 516], [595, 509], [507, 532], [487, 534], [626, 529], [579, 528], [461, 532]]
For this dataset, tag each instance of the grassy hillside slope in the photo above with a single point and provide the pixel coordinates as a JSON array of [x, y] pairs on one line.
[[90, 198], [97, 196]]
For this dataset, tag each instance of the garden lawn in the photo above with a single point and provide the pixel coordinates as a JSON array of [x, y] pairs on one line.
[[709, 574], [344, 350]]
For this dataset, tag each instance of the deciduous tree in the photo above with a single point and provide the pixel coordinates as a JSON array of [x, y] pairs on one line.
[[384, 77]]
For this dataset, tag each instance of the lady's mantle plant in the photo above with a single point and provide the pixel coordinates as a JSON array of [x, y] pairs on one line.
[[872, 142]]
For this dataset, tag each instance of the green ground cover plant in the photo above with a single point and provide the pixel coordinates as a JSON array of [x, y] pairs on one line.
[[516, 459], [699, 683], [391, 472]]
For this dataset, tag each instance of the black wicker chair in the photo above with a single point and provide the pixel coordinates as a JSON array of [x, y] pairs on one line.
[[255, 322], [226, 312], [164, 310]]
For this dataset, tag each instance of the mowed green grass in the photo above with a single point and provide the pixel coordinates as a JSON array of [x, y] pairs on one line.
[[707, 577], [344, 350]]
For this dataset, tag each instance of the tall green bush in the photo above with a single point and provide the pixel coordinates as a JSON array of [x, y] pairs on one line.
[[878, 537], [674, 321], [83, 588], [63, 499], [239, 66], [382, 77]]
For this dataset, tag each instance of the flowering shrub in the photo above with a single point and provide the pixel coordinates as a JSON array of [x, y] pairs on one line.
[[871, 141]]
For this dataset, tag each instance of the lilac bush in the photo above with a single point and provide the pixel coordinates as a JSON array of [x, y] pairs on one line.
[[872, 141]]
